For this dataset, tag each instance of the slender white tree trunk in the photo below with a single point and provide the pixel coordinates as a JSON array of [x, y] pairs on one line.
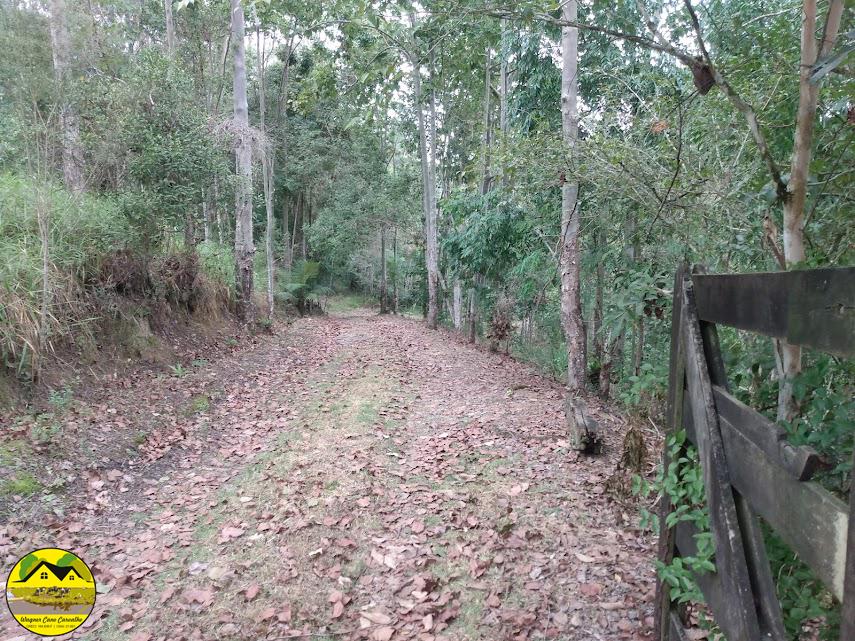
[[244, 247], [428, 201], [457, 304], [383, 304], [569, 258], [794, 204], [267, 160], [170, 27], [69, 123]]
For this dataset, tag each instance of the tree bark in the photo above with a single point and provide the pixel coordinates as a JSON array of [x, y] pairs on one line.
[[287, 253], [69, 123], [268, 158], [383, 303], [428, 201], [206, 216], [794, 202], [244, 247], [395, 273], [457, 304], [569, 257], [170, 28], [473, 314], [486, 178]]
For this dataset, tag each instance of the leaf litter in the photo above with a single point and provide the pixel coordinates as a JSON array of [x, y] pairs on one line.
[[358, 478]]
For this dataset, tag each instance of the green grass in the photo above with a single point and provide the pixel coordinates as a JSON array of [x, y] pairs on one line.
[[198, 404], [24, 485], [348, 303]]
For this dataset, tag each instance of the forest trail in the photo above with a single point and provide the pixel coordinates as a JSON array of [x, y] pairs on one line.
[[361, 477]]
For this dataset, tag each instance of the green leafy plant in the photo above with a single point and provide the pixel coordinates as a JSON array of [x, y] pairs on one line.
[[178, 370]]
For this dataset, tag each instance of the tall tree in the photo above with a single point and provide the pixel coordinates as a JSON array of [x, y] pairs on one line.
[[244, 247], [69, 123], [428, 194], [794, 202], [268, 158], [569, 260], [170, 27]]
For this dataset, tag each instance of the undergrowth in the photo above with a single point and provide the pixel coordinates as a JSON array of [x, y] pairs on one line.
[[67, 263]]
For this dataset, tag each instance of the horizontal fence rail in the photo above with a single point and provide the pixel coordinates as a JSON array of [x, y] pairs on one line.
[[750, 470]]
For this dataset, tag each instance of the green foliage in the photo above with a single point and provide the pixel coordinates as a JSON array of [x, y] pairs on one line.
[[170, 150], [683, 483], [803, 597], [60, 399], [178, 370], [301, 288], [81, 231]]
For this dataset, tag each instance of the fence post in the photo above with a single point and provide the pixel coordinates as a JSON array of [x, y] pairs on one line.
[[676, 377], [847, 611]]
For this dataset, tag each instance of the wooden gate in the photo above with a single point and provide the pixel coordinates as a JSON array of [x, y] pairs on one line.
[[749, 468]]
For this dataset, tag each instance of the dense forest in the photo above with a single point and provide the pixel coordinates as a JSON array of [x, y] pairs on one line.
[[526, 175]]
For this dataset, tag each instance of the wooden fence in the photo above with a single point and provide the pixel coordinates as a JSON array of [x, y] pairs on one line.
[[750, 471]]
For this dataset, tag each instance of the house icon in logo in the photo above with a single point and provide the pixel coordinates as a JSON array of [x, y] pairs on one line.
[[46, 575]]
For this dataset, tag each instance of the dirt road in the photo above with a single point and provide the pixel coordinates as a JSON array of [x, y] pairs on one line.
[[357, 477]]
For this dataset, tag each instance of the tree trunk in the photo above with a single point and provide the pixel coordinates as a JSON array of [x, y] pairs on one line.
[[395, 275], [485, 169], [504, 86], [473, 314], [428, 202], [287, 249], [218, 211], [170, 28], [206, 216], [383, 304], [69, 123], [244, 247], [457, 305], [267, 163], [307, 213], [189, 229], [599, 339], [569, 257], [794, 203], [638, 352]]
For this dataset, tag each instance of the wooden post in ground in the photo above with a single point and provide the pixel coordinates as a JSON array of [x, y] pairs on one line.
[[847, 614]]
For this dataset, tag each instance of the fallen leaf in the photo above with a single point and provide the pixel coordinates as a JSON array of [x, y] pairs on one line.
[[383, 634], [252, 591]]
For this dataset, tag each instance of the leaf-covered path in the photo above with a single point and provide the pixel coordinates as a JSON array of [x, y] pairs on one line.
[[359, 477]]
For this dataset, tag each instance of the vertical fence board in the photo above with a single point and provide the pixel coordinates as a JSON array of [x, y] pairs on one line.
[[731, 563], [663, 615], [847, 626]]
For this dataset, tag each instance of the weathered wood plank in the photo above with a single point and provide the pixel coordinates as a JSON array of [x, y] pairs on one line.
[[769, 614], [678, 632], [799, 461], [731, 564], [847, 614], [663, 613], [717, 598], [809, 519], [813, 307]]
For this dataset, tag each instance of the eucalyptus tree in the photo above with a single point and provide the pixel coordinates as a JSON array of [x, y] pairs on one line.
[[69, 124], [243, 247], [569, 256]]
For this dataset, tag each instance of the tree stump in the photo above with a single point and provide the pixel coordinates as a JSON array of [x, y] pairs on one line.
[[583, 430]]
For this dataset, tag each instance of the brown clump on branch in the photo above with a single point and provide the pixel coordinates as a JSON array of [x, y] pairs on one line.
[[703, 77]]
